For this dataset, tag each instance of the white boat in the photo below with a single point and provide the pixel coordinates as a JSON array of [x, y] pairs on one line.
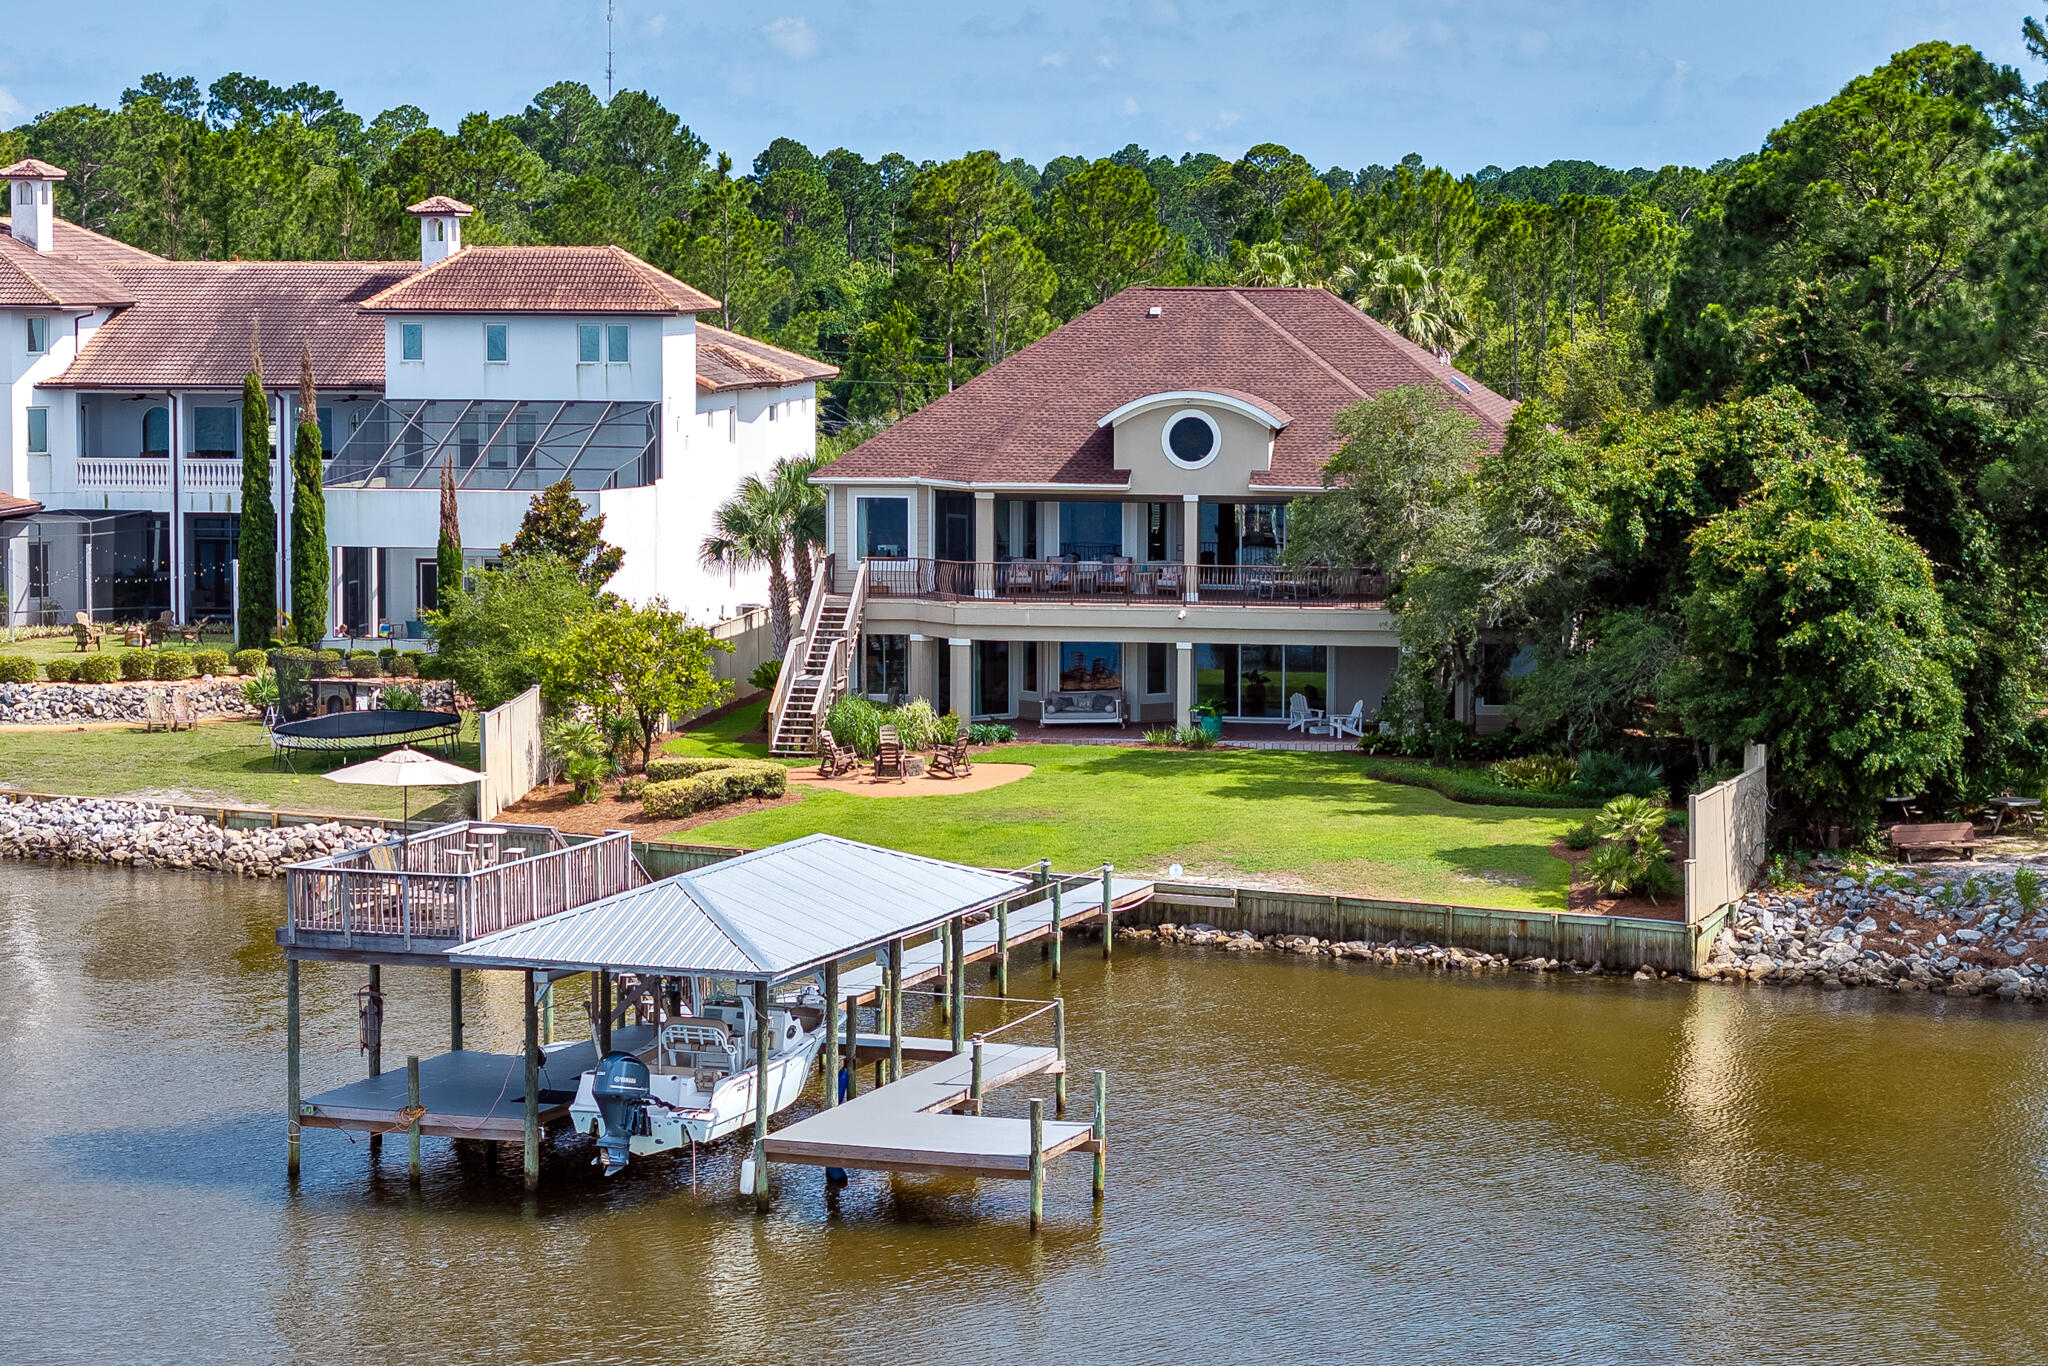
[[697, 1083]]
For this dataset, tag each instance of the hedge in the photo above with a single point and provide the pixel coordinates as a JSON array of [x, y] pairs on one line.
[[678, 785], [170, 664], [17, 669], [1467, 785], [138, 664], [249, 663], [61, 670], [366, 665], [214, 662], [98, 669], [405, 666]]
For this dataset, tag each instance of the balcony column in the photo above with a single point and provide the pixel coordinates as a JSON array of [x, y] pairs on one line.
[[924, 668], [1190, 542], [1183, 683], [962, 700], [984, 545]]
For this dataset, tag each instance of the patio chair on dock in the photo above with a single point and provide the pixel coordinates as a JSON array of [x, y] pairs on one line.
[[890, 761]]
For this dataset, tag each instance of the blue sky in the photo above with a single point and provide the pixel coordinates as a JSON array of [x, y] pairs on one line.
[[1464, 84]]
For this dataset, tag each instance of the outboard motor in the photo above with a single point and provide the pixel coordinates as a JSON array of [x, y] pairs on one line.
[[620, 1088]]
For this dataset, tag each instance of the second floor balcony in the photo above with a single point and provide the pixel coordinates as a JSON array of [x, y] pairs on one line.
[[1114, 579], [152, 474]]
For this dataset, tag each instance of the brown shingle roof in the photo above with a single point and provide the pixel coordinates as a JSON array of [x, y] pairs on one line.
[[542, 280], [38, 279], [1032, 419], [726, 360], [189, 327], [11, 506]]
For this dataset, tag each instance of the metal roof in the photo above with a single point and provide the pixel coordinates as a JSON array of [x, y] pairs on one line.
[[777, 912]]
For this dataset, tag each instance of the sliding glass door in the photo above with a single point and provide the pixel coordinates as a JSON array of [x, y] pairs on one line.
[[1254, 682]]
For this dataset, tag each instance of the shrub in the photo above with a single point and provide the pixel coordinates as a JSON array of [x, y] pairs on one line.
[[631, 786], [855, 723], [171, 664], [580, 752], [213, 662], [1631, 857], [138, 664], [98, 669], [248, 663], [260, 691], [398, 697], [1194, 737], [990, 733], [327, 664], [1163, 735], [406, 666], [1581, 836], [17, 669], [765, 674], [1464, 784], [1536, 772], [1614, 775], [386, 655], [948, 730], [433, 666], [366, 665], [679, 785], [917, 724], [61, 670]]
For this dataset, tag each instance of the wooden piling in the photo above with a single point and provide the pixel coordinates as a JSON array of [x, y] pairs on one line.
[[376, 1042], [412, 1131], [604, 1013], [764, 1038], [974, 1086], [831, 1034], [895, 1010], [945, 974], [852, 1048], [532, 1135], [291, 1067], [1101, 1129], [1059, 1047], [455, 1010], [1044, 879], [547, 1012], [1002, 961], [1053, 939], [1108, 915], [956, 933], [1037, 1163]]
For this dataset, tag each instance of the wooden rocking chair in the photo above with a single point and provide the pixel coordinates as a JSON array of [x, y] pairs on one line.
[[87, 635], [952, 759], [834, 762], [890, 761]]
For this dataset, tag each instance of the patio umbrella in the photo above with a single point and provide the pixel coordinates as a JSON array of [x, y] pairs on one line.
[[406, 768]]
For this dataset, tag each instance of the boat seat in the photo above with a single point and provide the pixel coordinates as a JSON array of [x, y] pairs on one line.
[[693, 1043]]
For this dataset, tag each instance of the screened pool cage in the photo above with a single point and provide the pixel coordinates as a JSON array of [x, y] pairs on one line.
[[114, 566], [403, 444]]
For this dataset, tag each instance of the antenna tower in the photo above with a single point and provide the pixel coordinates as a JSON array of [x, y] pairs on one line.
[[611, 12]]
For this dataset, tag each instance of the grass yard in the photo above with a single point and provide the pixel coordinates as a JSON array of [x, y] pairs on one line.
[[721, 736], [1311, 821], [220, 762]]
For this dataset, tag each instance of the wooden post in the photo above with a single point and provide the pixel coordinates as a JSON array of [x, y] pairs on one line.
[[1108, 915], [412, 1131], [956, 933], [604, 1013], [1059, 1048], [376, 1049], [547, 1011], [532, 1082], [1101, 1129], [455, 1009], [1054, 940], [831, 1034], [852, 1047], [764, 1038], [895, 1010], [1002, 963], [945, 974], [1043, 878], [1037, 1163], [974, 1087], [291, 1067]]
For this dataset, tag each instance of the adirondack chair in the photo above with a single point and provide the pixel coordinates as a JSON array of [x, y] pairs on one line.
[[834, 762], [155, 716], [952, 759], [182, 714], [160, 628], [889, 757], [1300, 715], [1352, 723], [87, 635]]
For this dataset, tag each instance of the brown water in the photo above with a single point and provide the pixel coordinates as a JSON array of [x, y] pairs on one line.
[[1310, 1163]]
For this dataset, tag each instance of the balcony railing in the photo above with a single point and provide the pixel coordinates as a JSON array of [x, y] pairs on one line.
[[152, 474], [1110, 580]]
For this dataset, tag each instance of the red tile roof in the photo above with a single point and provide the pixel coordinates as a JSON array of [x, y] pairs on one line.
[[440, 204], [189, 327], [39, 279], [726, 360], [11, 506], [1032, 419], [31, 169], [90, 248], [541, 280]]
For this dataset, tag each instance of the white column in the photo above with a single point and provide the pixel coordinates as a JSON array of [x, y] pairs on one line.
[[984, 544], [1190, 540], [176, 441], [962, 700], [1183, 683], [376, 600], [924, 670]]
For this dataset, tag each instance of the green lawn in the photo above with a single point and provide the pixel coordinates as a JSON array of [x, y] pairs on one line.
[[1307, 820], [44, 648], [720, 737], [226, 762]]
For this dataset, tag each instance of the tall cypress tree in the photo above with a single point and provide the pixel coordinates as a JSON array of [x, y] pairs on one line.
[[309, 516], [257, 542], [448, 554]]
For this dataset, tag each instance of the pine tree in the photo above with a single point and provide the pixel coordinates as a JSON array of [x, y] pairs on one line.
[[310, 573], [448, 554], [257, 539]]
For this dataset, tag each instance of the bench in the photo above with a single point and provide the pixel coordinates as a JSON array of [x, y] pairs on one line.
[[1952, 837], [1080, 708]]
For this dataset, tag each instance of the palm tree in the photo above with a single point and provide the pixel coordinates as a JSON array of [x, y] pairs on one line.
[[1420, 301], [803, 505], [750, 531]]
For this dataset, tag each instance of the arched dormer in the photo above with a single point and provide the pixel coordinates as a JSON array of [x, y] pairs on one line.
[[1193, 440]]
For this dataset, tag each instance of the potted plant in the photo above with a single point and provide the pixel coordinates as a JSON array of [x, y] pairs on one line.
[[1210, 718]]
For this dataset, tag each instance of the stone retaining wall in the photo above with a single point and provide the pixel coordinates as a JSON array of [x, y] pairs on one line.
[[140, 834], [50, 704]]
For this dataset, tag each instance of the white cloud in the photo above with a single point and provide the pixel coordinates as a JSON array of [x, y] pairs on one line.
[[1534, 41], [657, 26], [1227, 117], [1055, 60], [1130, 107], [10, 107], [792, 38]]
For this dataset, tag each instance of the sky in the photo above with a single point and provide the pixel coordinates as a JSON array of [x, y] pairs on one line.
[[1465, 84]]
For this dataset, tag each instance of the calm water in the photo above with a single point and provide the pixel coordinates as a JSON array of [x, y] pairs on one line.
[[1310, 1164]]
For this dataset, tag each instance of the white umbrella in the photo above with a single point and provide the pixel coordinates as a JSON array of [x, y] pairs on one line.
[[406, 768]]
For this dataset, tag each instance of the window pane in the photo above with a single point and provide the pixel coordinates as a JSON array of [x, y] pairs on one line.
[[1155, 668], [1216, 678], [213, 430], [39, 431], [494, 342], [412, 345], [1090, 666], [618, 344], [38, 334], [1308, 673], [326, 429], [156, 431], [1258, 681], [1091, 531], [1262, 532], [884, 531], [586, 344], [888, 665], [1030, 666]]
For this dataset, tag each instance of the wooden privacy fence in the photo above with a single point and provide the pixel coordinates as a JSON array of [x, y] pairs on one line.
[[508, 751], [1728, 827]]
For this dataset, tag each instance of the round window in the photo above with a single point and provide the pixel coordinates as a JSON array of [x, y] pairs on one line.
[[1191, 438]]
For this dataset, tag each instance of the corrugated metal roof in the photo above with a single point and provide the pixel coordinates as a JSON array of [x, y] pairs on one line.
[[772, 913]]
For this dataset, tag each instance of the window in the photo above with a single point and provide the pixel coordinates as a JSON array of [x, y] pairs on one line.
[[618, 344], [888, 666], [1191, 438], [213, 431], [883, 528], [1156, 540], [39, 431], [156, 432], [1155, 668], [1242, 533], [1255, 681], [771, 411], [1091, 666], [427, 578], [1091, 531], [326, 416], [1030, 666], [38, 336], [411, 342], [586, 344], [39, 569], [494, 343]]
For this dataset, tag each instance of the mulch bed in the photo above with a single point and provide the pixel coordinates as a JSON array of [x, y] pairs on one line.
[[555, 805], [1586, 901]]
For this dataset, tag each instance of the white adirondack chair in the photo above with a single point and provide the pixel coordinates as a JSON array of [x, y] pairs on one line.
[[1352, 723]]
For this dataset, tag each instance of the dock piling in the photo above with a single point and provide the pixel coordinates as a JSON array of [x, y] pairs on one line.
[[1037, 1163], [412, 1128], [1002, 962], [974, 1086], [895, 1010], [956, 935], [945, 939], [532, 1134], [832, 1034], [1101, 1130], [764, 1039], [1059, 1047], [1058, 929], [547, 1012], [291, 1067], [852, 1048], [455, 1010], [604, 1013], [373, 1041], [1108, 915]]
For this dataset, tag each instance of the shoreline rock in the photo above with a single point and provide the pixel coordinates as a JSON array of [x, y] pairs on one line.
[[1435, 957], [144, 834], [54, 704]]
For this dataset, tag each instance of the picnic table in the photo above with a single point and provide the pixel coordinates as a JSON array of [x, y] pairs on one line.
[[2021, 810], [1953, 837]]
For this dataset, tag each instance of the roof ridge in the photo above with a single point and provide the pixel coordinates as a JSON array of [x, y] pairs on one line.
[[1299, 345], [715, 913]]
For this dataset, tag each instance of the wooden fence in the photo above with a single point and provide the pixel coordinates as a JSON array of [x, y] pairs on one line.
[[1728, 828], [508, 751]]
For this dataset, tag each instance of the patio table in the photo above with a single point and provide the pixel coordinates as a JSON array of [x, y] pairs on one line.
[[2023, 810]]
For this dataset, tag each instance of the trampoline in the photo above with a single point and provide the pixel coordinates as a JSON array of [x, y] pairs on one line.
[[348, 731]]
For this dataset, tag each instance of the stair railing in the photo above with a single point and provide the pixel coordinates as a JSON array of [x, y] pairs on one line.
[[856, 607], [798, 648]]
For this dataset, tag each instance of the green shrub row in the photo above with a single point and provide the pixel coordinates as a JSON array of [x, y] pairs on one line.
[[678, 785], [62, 669], [1465, 785], [98, 669], [17, 669]]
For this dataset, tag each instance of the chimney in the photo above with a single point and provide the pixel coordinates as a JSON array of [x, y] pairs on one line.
[[440, 227], [29, 186]]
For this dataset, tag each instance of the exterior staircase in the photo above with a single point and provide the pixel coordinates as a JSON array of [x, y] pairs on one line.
[[818, 665]]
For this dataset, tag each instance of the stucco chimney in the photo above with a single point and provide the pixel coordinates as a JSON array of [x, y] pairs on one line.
[[440, 227], [29, 200]]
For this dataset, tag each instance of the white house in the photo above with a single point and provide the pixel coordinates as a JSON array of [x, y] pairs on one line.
[[120, 468]]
